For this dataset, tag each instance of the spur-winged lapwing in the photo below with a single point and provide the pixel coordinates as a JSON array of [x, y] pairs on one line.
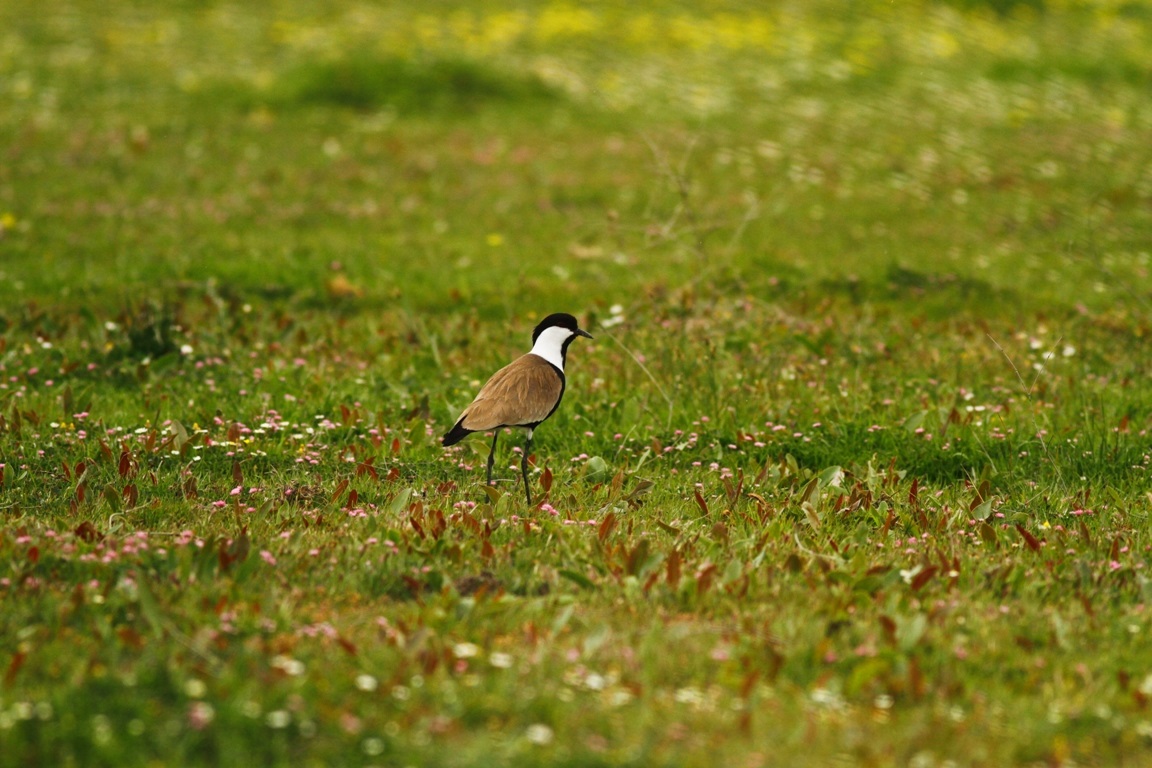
[[523, 393]]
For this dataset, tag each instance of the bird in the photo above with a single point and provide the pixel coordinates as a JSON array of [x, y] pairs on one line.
[[523, 393]]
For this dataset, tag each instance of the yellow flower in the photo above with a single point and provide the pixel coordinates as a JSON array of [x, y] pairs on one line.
[[495, 239]]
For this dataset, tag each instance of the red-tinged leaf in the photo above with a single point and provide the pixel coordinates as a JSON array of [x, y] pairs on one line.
[[125, 465], [345, 415], [487, 551], [188, 487], [888, 626], [150, 442], [439, 524], [700, 502], [234, 551], [14, 666], [744, 721], [704, 577], [637, 557], [340, 488], [546, 480], [916, 682], [34, 555], [130, 637], [888, 522], [914, 492], [617, 482], [67, 470], [353, 496], [79, 471], [366, 468], [922, 578], [393, 474], [417, 527], [749, 683], [429, 661], [224, 557], [471, 523], [413, 584], [1140, 698], [233, 433], [106, 451], [607, 525], [1, 475], [395, 446], [131, 495], [672, 568], [346, 644], [1032, 542], [237, 473], [81, 492]]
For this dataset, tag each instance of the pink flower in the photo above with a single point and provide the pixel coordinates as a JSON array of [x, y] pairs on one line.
[[267, 557], [200, 715]]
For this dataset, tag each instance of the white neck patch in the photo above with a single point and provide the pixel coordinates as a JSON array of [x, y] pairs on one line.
[[550, 345]]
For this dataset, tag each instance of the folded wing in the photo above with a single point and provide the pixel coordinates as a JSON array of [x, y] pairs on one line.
[[524, 392]]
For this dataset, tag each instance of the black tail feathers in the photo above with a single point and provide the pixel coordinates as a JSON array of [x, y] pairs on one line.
[[456, 434]]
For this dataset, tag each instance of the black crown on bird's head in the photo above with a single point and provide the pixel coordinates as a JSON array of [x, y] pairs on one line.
[[556, 320]]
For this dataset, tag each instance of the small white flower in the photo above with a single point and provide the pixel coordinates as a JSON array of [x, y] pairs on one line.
[[466, 650], [288, 665], [594, 682], [538, 733], [278, 718]]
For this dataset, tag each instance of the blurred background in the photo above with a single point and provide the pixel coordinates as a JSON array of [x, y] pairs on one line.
[[422, 154]]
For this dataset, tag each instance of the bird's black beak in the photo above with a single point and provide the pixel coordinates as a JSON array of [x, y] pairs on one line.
[[584, 333]]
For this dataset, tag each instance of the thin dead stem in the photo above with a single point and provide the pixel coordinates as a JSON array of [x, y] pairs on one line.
[[663, 393]]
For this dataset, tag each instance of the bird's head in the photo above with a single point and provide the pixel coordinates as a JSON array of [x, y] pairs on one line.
[[553, 334], [565, 325]]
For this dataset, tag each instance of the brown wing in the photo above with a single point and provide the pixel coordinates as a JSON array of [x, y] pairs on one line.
[[525, 391]]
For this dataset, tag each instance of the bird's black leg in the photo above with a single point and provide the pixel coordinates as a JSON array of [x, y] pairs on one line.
[[492, 455], [524, 466]]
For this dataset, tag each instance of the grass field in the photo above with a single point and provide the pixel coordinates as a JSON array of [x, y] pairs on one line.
[[855, 472]]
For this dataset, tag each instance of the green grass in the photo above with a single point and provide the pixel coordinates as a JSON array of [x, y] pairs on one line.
[[856, 470]]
